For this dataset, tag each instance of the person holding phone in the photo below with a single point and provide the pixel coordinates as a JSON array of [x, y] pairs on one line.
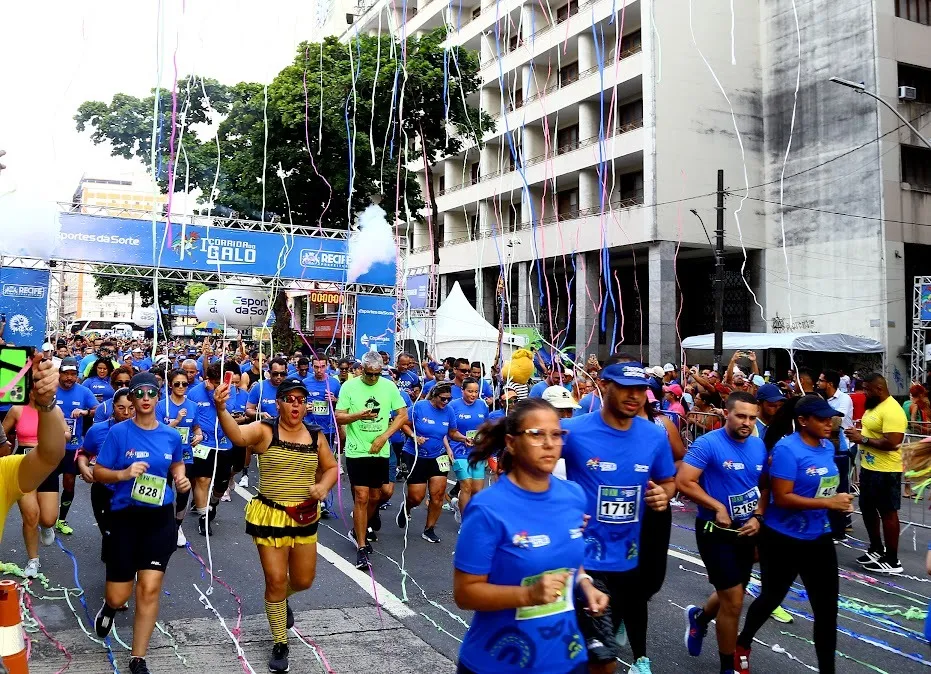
[[428, 457], [42, 434], [296, 472], [141, 458], [181, 414]]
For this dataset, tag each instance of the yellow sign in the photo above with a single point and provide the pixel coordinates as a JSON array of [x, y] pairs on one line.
[[325, 297]]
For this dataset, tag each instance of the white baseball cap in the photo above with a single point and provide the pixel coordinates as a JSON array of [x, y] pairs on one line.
[[48, 347], [669, 367], [560, 398]]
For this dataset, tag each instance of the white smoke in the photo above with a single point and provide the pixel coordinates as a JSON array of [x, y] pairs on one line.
[[371, 243]]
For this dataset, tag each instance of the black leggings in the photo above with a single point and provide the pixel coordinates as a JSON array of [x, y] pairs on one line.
[[782, 560], [654, 548]]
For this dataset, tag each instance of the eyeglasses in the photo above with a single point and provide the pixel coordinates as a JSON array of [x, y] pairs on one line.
[[294, 400], [277, 374], [537, 437], [180, 384], [371, 374], [141, 393], [122, 382], [444, 399], [463, 371]]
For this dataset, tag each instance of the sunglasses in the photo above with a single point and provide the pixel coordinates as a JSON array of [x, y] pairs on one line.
[[122, 383], [371, 374], [141, 393], [444, 399], [294, 400], [277, 374], [180, 384]]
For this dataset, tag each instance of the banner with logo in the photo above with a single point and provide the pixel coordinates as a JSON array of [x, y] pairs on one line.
[[91, 238], [375, 324], [926, 302], [416, 291], [23, 303]]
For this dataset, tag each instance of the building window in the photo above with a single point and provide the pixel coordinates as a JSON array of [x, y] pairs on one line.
[[916, 167], [517, 101], [472, 224], [476, 12], [918, 11], [441, 185], [474, 173], [568, 74], [567, 204], [514, 216], [567, 139], [920, 78], [632, 186], [630, 43], [571, 8], [514, 42], [630, 113]]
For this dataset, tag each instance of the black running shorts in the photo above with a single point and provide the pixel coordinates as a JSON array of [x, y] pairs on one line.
[[141, 539], [728, 557]]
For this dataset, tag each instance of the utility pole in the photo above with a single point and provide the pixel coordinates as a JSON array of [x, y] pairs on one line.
[[719, 278]]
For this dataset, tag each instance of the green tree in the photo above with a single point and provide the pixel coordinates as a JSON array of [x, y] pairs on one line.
[[334, 129]]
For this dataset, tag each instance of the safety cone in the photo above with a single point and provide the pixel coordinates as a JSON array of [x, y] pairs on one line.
[[12, 639]]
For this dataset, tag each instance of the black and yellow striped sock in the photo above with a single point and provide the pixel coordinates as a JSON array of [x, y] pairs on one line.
[[277, 620]]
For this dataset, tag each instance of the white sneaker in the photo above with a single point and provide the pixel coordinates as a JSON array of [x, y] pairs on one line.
[[458, 515], [226, 496], [676, 503], [47, 536], [32, 568], [182, 539], [244, 481]]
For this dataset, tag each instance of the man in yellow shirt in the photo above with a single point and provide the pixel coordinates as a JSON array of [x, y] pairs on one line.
[[24, 473], [884, 425]]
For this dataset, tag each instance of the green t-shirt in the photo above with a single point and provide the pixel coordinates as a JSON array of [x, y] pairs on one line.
[[354, 396]]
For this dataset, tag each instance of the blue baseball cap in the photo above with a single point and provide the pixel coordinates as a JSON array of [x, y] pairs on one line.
[[769, 393], [816, 407], [625, 374]]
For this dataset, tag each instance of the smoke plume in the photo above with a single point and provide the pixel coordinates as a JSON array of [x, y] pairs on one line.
[[371, 243]]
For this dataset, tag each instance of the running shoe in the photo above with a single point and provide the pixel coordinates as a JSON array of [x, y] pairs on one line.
[[885, 565], [367, 547], [375, 521], [324, 512], [226, 496], [103, 623], [385, 506], [279, 660], [32, 568], [362, 561], [869, 557], [694, 632], [244, 481], [401, 519], [182, 539], [780, 615], [290, 619], [202, 525], [430, 536], [47, 536], [138, 666], [457, 514], [741, 660], [63, 527], [676, 503], [620, 636], [640, 666]]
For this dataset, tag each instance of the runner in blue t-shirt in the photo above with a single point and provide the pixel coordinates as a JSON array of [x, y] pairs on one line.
[[519, 557], [322, 392], [721, 474], [470, 413], [77, 403], [796, 536], [623, 464], [141, 458], [267, 390], [589, 403]]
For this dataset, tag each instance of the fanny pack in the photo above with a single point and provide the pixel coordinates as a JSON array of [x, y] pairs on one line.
[[305, 512]]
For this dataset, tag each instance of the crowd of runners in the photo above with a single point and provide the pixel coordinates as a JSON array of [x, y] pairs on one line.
[[562, 488]]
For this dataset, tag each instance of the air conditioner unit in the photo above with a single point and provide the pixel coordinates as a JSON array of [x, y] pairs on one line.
[[908, 93]]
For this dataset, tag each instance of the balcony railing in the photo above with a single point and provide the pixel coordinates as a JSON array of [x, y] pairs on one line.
[[560, 150]]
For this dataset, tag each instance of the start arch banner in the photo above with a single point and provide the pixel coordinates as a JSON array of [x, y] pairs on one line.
[[125, 241]]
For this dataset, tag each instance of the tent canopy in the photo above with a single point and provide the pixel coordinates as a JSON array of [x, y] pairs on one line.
[[831, 342], [461, 332]]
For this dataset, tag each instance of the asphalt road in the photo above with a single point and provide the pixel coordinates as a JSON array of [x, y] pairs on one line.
[[417, 627]]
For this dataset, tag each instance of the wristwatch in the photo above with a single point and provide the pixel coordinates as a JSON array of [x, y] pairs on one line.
[[47, 408], [758, 517]]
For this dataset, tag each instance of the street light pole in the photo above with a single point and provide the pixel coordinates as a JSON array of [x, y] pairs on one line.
[[719, 278], [860, 88]]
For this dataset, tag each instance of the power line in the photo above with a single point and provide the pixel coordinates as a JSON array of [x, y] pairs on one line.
[[827, 212]]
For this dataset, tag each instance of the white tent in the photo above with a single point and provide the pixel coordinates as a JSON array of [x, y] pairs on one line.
[[831, 342], [461, 332]]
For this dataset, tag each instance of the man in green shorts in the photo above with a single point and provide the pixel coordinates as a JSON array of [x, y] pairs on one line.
[[364, 407]]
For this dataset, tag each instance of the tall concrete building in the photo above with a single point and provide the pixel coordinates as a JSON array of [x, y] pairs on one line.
[[612, 120]]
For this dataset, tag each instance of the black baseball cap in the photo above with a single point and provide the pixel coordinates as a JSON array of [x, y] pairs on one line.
[[290, 384], [816, 407]]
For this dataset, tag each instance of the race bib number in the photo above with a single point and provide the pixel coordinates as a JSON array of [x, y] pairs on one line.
[[73, 428], [741, 506], [442, 462], [184, 432], [561, 605], [320, 408], [201, 452], [828, 486], [471, 434], [618, 505], [149, 489]]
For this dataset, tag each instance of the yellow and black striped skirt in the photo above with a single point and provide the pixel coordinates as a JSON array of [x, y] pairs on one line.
[[275, 528]]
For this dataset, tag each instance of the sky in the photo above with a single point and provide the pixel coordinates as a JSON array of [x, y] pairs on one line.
[[58, 54]]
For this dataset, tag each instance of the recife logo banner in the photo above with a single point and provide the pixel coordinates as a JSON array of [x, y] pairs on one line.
[[91, 238], [23, 302], [375, 324]]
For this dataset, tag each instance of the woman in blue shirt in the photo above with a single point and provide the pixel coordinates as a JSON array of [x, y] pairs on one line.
[[470, 413], [141, 458], [518, 560], [181, 414], [427, 457], [795, 539], [99, 381]]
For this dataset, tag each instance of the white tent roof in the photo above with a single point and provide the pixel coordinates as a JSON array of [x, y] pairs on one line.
[[462, 332], [832, 342]]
